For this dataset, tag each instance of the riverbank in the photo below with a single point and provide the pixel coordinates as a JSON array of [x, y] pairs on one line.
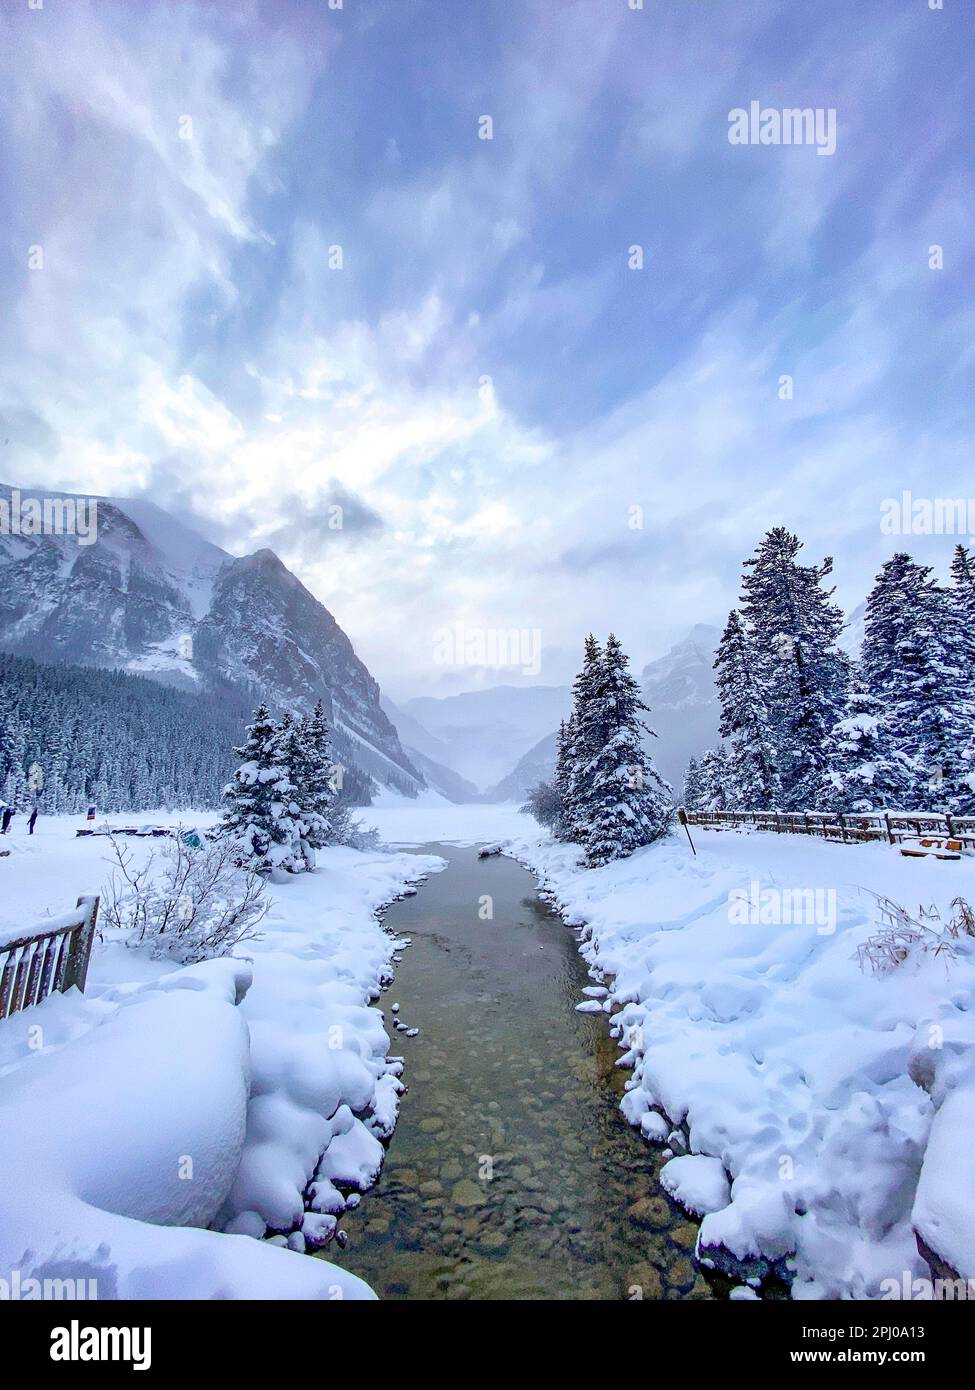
[[167, 1100], [512, 1173], [815, 1087]]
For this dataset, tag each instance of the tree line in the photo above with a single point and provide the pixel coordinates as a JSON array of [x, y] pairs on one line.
[[806, 727], [110, 739], [120, 742]]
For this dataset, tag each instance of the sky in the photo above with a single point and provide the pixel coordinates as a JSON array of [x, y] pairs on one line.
[[284, 281]]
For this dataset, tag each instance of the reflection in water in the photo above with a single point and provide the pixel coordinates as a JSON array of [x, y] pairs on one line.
[[512, 1173]]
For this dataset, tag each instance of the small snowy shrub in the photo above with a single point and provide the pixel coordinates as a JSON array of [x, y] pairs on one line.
[[545, 805], [184, 904], [901, 934], [348, 831]]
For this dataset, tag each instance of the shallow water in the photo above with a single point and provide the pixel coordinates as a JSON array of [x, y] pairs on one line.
[[512, 1173]]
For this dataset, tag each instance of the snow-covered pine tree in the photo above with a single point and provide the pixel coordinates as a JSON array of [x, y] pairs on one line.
[[793, 627], [692, 786], [561, 782], [582, 741], [864, 771], [319, 793], [715, 778], [629, 804], [962, 604], [258, 817], [13, 748], [752, 782], [294, 756], [53, 799], [962, 597], [913, 667]]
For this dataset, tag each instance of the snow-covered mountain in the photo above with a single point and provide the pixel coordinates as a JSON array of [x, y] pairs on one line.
[[537, 765], [429, 755], [683, 700], [851, 638], [485, 732], [152, 597]]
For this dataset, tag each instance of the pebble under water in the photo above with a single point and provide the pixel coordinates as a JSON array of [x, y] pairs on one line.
[[512, 1173]]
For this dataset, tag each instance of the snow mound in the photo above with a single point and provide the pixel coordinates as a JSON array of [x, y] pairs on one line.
[[699, 1183], [237, 1095]]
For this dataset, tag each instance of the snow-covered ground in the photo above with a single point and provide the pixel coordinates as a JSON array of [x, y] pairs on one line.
[[166, 1101], [433, 820], [749, 1022], [149, 1129]]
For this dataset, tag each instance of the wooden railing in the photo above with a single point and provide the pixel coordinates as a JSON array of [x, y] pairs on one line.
[[50, 958], [890, 827]]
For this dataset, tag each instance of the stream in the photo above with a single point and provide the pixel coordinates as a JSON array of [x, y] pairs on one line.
[[512, 1173]]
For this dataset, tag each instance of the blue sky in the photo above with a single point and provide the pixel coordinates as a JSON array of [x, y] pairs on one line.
[[485, 386]]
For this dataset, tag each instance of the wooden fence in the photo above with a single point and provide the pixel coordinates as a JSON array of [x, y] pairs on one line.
[[50, 958], [889, 827]]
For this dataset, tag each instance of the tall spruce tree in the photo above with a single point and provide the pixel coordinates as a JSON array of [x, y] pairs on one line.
[[581, 743], [561, 782], [717, 787], [319, 799], [962, 604], [294, 756], [692, 786], [913, 667], [864, 770], [753, 779], [793, 626], [260, 817], [628, 803]]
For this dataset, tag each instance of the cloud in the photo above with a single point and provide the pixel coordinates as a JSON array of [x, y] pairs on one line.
[[482, 385]]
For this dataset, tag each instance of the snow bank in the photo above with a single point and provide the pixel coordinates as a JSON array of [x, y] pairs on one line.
[[813, 1089], [318, 1052], [943, 1063], [118, 1141], [219, 1095]]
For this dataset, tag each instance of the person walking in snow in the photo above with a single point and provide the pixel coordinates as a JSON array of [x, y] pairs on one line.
[[8, 815], [32, 822]]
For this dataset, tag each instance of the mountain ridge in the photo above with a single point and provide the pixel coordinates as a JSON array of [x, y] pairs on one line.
[[151, 597]]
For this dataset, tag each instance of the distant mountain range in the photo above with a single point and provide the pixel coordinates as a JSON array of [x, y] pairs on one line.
[[537, 765], [684, 712], [683, 700], [429, 755], [153, 598], [483, 733]]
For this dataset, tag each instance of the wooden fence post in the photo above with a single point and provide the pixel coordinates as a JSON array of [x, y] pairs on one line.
[[79, 952]]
